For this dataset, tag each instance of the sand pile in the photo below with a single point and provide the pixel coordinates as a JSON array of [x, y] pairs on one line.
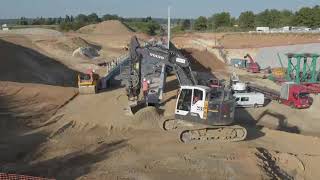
[[106, 27], [26, 65]]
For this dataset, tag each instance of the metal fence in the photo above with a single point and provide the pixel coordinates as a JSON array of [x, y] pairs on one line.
[[4, 176], [114, 64]]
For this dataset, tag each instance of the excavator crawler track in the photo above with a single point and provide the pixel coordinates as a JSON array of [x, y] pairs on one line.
[[214, 134], [198, 133]]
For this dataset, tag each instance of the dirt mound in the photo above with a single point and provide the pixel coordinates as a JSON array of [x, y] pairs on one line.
[[246, 40], [106, 27], [27, 65], [23, 107]]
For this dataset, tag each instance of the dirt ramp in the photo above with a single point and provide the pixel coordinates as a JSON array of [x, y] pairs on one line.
[[106, 27], [26, 65], [71, 43]]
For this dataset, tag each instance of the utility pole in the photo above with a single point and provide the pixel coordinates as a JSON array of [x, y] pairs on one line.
[[169, 27]]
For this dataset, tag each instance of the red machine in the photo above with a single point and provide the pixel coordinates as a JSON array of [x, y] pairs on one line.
[[293, 95], [313, 88], [252, 66]]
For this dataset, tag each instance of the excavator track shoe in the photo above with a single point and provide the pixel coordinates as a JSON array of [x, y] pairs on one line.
[[214, 134]]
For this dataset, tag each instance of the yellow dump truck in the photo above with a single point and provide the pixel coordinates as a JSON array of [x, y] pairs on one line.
[[88, 83]]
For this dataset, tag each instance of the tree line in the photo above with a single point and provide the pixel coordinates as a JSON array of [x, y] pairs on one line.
[[248, 20], [67, 23]]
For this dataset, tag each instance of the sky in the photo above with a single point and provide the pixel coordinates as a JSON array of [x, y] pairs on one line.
[[142, 8]]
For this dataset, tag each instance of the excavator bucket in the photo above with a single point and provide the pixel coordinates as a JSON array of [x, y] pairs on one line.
[[134, 107]]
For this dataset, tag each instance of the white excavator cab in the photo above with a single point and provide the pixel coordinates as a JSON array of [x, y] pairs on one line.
[[191, 102]]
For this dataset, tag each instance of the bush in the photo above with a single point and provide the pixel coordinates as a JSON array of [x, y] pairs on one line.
[[177, 29], [149, 27], [68, 26]]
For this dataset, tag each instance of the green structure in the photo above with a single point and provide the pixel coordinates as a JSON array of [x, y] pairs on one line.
[[302, 68]]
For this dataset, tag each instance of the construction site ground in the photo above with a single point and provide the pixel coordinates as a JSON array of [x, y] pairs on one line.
[[48, 130]]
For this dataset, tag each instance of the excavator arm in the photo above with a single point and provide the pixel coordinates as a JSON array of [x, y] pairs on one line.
[[249, 57], [147, 61]]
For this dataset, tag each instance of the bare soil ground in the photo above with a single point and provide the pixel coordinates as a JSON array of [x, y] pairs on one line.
[[109, 38], [204, 61], [23, 63], [23, 109], [246, 40], [46, 131]]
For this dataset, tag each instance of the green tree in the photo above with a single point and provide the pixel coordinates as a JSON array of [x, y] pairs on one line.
[[316, 13], [270, 18], [59, 20], [50, 21], [93, 18], [81, 18], [71, 18], [152, 27], [305, 17], [148, 19], [262, 19], [200, 23], [220, 20], [233, 21], [67, 19], [246, 20], [274, 18], [23, 21], [186, 24], [107, 17], [286, 18]]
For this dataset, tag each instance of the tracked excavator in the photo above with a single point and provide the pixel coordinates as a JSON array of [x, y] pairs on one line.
[[202, 113]]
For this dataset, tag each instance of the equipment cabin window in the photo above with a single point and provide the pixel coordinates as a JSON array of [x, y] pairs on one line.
[[244, 99], [197, 96], [184, 102]]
